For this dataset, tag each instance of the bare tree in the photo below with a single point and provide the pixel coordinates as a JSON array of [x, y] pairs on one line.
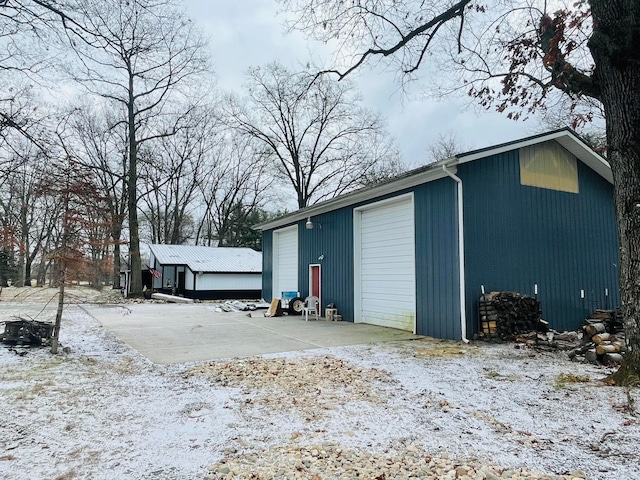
[[101, 145], [446, 145], [319, 139], [171, 173], [29, 31], [137, 55], [517, 57], [83, 211], [237, 187], [29, 214]]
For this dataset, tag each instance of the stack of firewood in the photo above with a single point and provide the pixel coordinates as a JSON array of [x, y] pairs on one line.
[[506, 315], [603, 339]]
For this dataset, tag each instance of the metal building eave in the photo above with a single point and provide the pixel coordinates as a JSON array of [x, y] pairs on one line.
[[410, 179], [565, 137]]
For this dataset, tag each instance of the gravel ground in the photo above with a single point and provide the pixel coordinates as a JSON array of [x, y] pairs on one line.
[[413, 409]]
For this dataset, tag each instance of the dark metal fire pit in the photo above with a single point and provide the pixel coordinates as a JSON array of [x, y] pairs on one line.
[[27, 332]]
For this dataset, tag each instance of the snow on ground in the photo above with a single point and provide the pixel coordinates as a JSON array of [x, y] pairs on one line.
[[102, 411]]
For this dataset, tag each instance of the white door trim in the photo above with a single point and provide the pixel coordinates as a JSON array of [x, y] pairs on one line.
[[311, 265], [275, 287], [357, 246]]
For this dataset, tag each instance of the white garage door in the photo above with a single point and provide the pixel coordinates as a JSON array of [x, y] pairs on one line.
[[285, 260], [385, 264]]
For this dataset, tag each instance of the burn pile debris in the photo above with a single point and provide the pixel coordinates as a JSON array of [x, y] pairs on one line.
[[23, 331]]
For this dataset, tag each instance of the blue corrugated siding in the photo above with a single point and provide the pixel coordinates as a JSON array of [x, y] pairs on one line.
[[517, 236], [267, 264], [437, 289], [437, 267], [331, 238]]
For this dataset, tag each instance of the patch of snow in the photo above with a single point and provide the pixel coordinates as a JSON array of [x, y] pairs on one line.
[[103, 411]]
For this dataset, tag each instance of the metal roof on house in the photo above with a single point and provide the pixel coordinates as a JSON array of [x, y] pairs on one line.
[[209, 259], [566, 137]]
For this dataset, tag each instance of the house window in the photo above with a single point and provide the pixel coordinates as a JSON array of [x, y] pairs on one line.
[[548, 165]]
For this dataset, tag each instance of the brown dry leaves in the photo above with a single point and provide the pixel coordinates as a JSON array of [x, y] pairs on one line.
[[314, 384]]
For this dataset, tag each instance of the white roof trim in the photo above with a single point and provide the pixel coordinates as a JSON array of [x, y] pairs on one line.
[[566, 138], [358, 196], [431, 172]]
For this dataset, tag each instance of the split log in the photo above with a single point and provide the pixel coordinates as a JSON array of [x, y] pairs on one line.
[[591, 356], [566, 336], [622, 346], [613, 359], [607, 348], [601, 337], [594, 328], [581, 350]]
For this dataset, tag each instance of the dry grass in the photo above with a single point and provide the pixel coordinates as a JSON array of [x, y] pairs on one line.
[[443, 349], [67, 476], [501, 376], [564, 379]]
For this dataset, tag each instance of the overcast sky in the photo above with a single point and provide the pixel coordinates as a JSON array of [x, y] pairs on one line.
[[245, 33]]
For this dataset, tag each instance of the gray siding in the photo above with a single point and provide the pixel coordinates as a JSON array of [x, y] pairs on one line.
[[517, 236]]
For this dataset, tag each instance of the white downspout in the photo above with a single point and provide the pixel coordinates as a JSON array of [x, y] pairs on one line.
[[463, 308]]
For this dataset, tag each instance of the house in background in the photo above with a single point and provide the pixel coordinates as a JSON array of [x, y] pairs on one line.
[[206, 272], [415, 252]]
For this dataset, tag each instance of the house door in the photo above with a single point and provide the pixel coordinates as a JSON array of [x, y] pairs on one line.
[[181, 283], [314, 283]]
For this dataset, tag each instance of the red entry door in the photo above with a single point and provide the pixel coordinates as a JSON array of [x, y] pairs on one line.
[[314, 281]]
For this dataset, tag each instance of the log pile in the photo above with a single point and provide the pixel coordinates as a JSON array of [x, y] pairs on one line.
[[506, 315], [515, 317], [603, 339], [551, 340]]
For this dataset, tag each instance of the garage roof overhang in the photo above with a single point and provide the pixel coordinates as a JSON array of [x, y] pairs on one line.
[[406, 180], [434, 171]]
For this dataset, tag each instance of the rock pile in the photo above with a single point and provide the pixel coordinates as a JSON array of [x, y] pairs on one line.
[[312, 386], [331, 461]]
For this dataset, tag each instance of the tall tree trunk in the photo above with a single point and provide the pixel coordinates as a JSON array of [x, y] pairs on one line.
[[135, 262], [62, 276], [615, 49], [116, 233], [20, 268]]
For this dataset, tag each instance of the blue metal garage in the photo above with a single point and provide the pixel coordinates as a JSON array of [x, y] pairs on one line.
[[414, 252]]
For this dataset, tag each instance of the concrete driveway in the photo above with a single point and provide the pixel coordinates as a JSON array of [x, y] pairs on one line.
[[174, 333]]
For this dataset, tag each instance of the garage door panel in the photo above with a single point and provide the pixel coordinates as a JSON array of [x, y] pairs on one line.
[[387, 306], [387, 265], [373, 228], [286, 261], [374, 249], [388, 292]]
